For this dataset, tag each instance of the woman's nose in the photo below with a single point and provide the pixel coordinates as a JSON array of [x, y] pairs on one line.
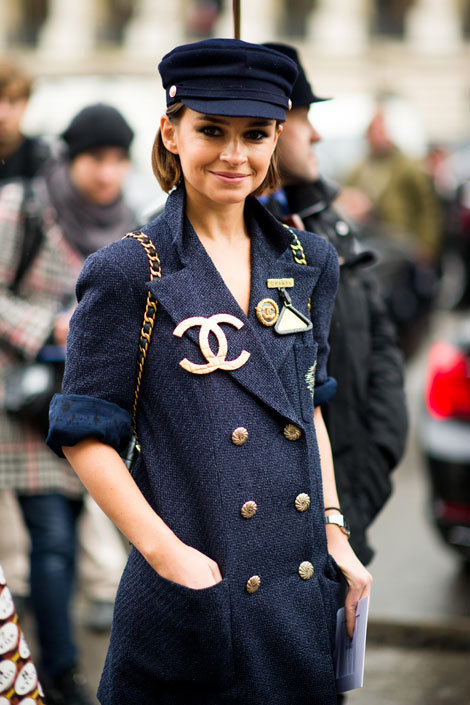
[[233, 153]]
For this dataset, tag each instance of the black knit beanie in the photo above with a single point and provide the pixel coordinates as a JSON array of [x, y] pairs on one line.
[[302, 94], [95, 126]]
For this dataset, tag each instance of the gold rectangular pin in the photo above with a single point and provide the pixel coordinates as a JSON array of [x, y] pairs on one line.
[[280, 283]]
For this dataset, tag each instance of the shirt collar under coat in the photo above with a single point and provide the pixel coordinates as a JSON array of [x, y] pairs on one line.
[[195, 288]]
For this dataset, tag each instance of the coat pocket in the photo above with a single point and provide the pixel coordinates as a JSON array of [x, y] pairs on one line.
[[180, 635], [334, 588], [306, 362]]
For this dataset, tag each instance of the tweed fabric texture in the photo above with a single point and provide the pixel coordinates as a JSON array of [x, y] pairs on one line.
[[26, 321], [170, 644]]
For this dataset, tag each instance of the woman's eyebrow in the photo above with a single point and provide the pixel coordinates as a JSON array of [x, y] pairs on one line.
[[212, 118], [261, 123], [219, 120]]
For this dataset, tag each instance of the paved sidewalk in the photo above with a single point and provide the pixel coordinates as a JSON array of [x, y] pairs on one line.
[[398, 676]]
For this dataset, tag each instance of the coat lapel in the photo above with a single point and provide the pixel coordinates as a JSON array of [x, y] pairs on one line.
[[267, 263], [196, 289]]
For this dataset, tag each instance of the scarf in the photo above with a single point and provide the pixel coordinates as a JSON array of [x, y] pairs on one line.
[[87, 226]]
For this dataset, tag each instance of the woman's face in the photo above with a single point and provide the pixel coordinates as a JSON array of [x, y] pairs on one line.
[[223, 159]]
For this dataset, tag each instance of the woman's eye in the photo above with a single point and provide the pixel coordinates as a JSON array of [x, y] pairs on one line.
[[210, 131], [257, 135]]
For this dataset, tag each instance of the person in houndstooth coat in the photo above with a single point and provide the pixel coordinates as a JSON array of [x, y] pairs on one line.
[[73, 208]]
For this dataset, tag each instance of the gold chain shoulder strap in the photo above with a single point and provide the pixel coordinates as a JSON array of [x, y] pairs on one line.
[[296, 247], [149, 319]]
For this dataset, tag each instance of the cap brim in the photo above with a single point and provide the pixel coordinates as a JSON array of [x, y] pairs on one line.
[[317, 99], [306, 103], [236, 108]]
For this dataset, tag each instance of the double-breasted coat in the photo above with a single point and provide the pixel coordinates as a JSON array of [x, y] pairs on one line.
[[265, 633]]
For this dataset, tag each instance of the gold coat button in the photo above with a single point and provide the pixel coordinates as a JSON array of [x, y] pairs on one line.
[[253, 584], [306, 570], [302, 502], [239, 436], [249, 509], [291, 432]]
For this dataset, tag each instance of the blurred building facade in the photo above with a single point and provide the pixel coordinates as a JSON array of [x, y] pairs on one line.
[[418, 49]]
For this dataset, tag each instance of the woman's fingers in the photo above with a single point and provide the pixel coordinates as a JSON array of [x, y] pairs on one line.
[[359, 587], [187, 566], [358, 578], [216, 572]]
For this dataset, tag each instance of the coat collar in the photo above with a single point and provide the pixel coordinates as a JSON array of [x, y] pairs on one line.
[[195, 288], [175, 221]]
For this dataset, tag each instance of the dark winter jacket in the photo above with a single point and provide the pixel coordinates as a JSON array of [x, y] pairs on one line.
[[367, 418], [26, 161]]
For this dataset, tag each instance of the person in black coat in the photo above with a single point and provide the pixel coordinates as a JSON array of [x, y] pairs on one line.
[[234, 580], [21, 156], [367, 418]]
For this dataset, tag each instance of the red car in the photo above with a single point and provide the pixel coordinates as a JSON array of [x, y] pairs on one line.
[[445, 437]]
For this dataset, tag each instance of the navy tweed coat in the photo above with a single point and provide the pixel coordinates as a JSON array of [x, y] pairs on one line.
[[172, 645]]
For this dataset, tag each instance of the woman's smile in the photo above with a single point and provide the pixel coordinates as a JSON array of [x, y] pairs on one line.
[[229, 177]]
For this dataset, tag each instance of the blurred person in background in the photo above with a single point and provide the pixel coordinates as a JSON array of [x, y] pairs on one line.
[[390, 189], [101, 562], [21, 158], [391, 199], [79, 207], [367, 418], [452, 193]]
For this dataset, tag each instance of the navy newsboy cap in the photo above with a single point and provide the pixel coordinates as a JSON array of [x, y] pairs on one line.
[[229, 77], [302, 93]]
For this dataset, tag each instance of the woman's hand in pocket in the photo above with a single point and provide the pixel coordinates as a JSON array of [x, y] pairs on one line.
[[187, 566]]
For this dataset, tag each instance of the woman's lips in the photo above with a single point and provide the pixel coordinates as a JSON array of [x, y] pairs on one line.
[[230, 176]]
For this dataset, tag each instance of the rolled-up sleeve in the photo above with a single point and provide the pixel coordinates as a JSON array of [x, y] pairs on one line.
[[73, 417], [102, 347], [326, 391]]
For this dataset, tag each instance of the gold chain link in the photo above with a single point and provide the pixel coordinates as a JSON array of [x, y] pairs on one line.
[[149, 319], [296, 247]]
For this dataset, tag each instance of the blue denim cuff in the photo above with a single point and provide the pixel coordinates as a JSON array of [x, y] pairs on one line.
[[74, 417], [326, 391]]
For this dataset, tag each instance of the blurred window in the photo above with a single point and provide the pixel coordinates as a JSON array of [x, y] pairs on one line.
[[30, 18], [294, 15], [388, 17], [466, 17], [114, 16]]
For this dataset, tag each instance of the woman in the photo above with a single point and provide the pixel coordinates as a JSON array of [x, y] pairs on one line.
[[229, 595]]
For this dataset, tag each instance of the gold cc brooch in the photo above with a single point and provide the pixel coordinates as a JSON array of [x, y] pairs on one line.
[[215, 361]]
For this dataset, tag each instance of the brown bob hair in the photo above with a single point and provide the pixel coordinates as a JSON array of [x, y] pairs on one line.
[[167, 168], [14, 81]]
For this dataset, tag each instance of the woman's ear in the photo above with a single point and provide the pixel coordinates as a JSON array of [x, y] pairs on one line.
[[279, 130], [168, 132]]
